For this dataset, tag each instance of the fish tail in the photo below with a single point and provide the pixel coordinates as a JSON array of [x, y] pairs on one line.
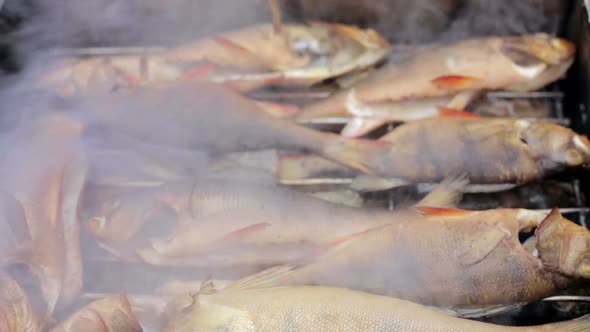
[[297, 167], [577, 325], [368, 156]]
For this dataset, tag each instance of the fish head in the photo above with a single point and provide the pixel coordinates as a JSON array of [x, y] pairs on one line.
[[563, 246], [536, 54], [340, 43], [554, 145]]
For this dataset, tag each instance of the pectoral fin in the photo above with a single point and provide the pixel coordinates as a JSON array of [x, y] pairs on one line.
[[480, 241], [455, 82], [441, 211], [486, 311], [453, 112], [448, 193]]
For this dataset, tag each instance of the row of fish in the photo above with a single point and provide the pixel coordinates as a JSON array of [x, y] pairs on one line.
[[177, 113]]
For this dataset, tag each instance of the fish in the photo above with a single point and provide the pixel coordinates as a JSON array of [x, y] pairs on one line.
[[448, 71], [498, 151], [45, 193], [520, 147], [248, 219], [522, 150], [246, 59], [473, 254], [16, 312], [109, 314], [563, 247], [256, 303]]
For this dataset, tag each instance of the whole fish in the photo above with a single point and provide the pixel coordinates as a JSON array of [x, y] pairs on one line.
[[111, 314], [245, 59], [256, 304], [500, 151], [42, 176], [456, 70], [203, 116], [242, 219], [457, 260], [16, 312]]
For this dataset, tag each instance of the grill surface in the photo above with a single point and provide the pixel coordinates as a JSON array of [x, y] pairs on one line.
[[568, 102]]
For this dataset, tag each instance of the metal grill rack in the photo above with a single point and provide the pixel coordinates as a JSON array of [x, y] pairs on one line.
[[578, 210]]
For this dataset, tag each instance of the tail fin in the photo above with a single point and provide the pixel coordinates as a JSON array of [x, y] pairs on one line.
[[581, 324], [367, 156]]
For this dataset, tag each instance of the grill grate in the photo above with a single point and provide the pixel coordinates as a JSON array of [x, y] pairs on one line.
[[152, 305]]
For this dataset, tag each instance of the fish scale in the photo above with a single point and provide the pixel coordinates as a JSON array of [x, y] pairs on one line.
[[308, 308], [464, 260]]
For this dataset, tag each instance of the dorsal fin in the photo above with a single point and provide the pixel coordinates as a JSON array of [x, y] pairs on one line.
[[268, 278]]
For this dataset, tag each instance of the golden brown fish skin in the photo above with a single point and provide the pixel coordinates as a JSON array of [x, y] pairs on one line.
[[307, 308], [474, 255], [16, 312], [190, 123], [245, 59], [48, 192], [499, 150], [111, 314], [563, 246], [522, 63], [413, 152]]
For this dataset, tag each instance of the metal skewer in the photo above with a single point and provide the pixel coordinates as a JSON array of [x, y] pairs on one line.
[[567, 298]]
